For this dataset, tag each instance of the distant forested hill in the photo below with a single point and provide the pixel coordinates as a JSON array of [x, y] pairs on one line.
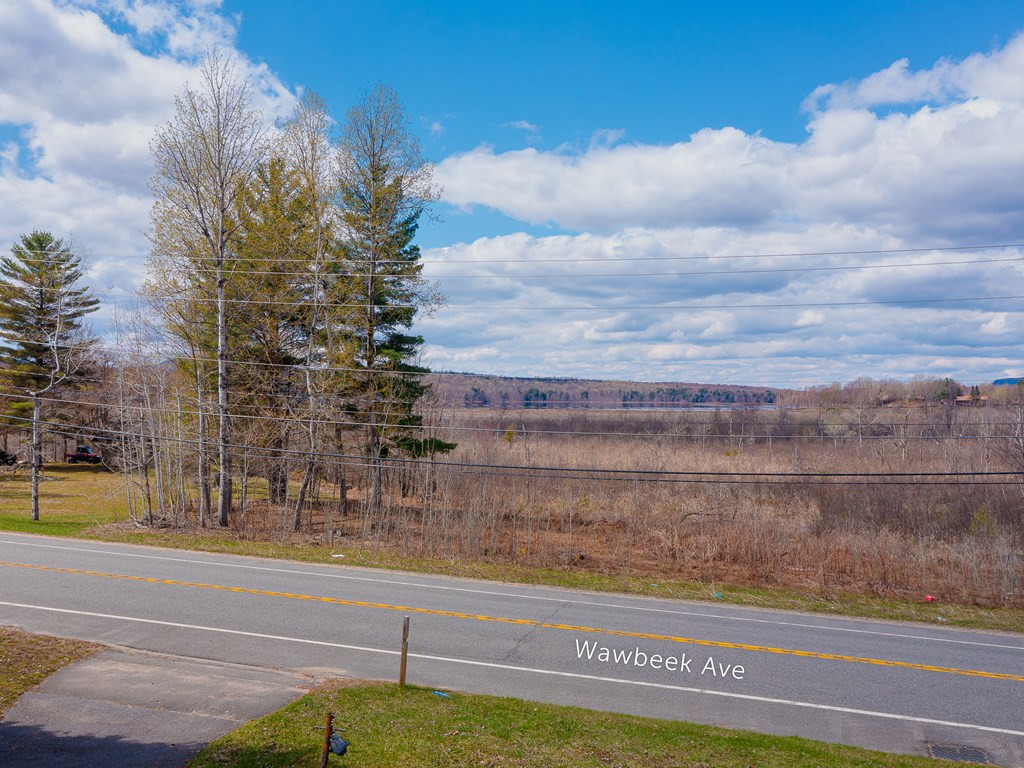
[[473, 390]]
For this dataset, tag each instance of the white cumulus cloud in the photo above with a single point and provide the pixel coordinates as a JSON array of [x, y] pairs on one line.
[[87, 107], [947, 168], [910, 162]]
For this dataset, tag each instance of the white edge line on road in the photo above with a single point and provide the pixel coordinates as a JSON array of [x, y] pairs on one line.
[[533, 670], [596, 604]]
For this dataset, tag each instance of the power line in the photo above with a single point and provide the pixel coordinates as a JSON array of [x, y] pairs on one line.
[[781, 255], [566, 275], [520, 431], [184, 357], [297, 420], [817, 482], [692, 257], [611, 309], [557, 405], [297, 366], [591, 473], [540, 413]]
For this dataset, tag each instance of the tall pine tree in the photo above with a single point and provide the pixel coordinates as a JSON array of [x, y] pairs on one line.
[[43, 347], [384, 187]]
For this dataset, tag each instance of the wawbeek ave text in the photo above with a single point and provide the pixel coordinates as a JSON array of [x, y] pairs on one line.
[[634, 657]]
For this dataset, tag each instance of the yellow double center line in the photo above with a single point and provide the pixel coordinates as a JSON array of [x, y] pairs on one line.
[[530, 623]]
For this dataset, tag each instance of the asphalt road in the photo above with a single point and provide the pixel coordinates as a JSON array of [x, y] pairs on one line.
[[896, 687]]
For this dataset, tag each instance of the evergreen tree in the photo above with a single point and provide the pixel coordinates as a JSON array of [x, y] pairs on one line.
[[43, 347], [384, 187], [273, 319]]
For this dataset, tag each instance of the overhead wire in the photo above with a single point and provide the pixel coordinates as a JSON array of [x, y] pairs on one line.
[[698, 306], [556, 404], [118, 298], [574, 275], [521, 430], [691, 257], [597, 473], [378, 371]]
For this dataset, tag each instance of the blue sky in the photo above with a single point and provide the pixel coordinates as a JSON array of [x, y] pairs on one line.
[[657, 71], [609, 169]]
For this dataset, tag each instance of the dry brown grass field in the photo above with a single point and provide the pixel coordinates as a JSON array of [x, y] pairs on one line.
[[958, 538]]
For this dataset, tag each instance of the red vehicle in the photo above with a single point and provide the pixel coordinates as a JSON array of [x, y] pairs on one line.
[[84, 454]]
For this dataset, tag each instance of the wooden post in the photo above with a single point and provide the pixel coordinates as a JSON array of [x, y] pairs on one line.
[[327, 740], [405, 652]]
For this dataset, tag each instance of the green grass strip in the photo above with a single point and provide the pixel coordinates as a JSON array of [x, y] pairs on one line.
[[414, 727]]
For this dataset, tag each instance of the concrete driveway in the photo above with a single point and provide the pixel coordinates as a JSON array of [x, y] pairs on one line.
[[122, 708]]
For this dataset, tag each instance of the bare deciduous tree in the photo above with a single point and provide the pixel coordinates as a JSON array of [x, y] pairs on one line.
[[306, 146], [205, 158]]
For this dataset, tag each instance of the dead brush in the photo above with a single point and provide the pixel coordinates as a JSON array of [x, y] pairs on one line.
[[823, 532]]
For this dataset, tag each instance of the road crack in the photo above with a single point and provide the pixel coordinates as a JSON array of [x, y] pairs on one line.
[[528, 635]]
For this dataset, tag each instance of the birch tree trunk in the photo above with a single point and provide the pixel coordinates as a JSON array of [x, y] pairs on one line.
[[37, 455], [204, 454], [224, 430]]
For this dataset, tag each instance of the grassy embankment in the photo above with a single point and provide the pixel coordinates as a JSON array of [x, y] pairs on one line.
[[72, 499], [414, 727], [82, 501], [26, 660]]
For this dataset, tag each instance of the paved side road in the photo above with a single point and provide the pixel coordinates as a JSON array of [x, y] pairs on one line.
[[130, 709]]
